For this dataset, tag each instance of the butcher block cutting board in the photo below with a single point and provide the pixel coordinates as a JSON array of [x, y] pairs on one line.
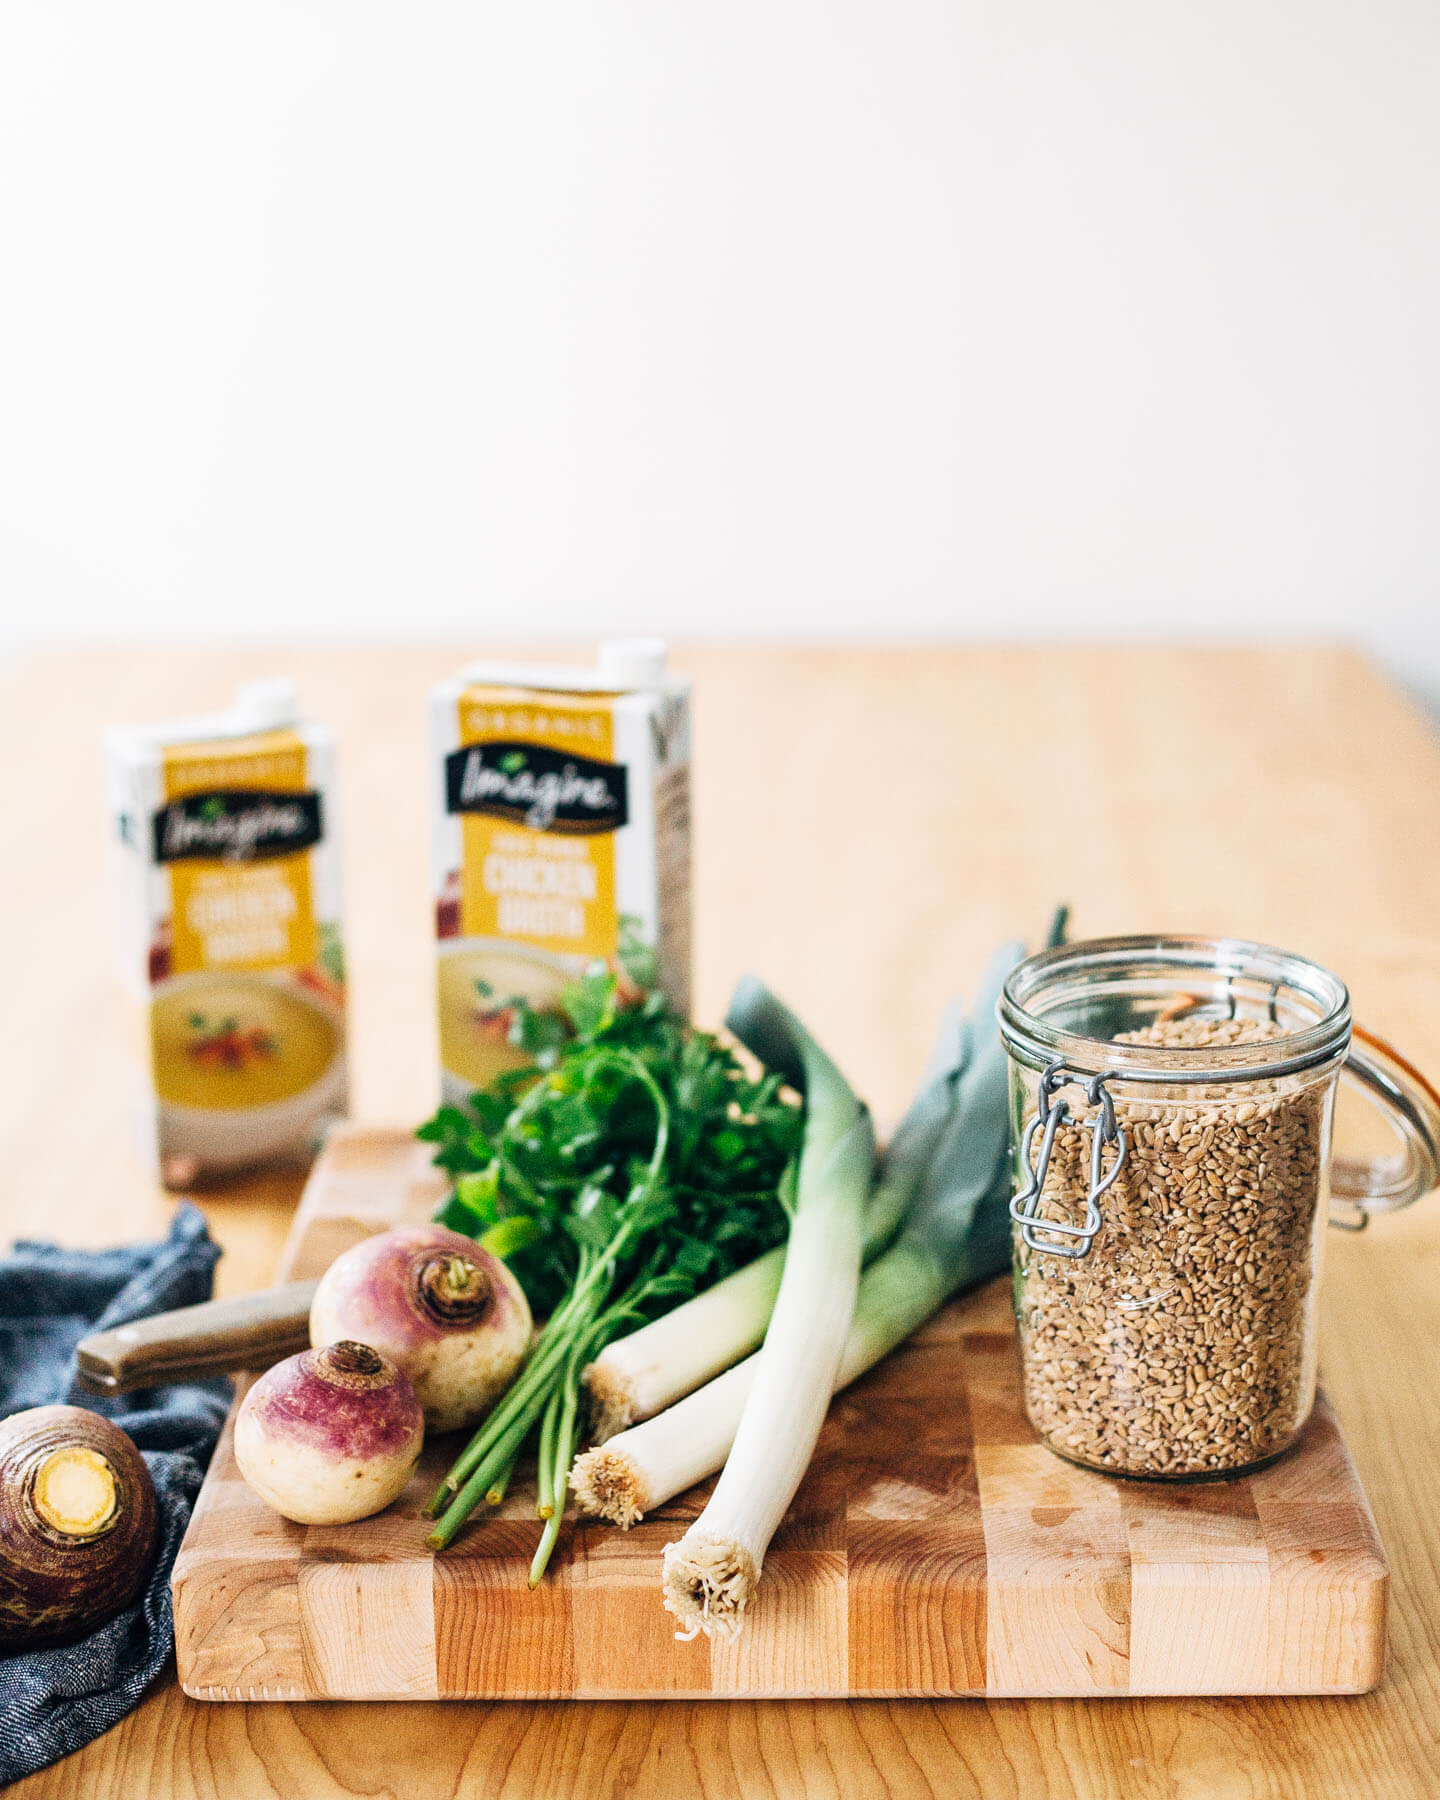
[[935, 1548]]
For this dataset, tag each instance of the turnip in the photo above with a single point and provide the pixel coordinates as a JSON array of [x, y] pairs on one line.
[[448, 1313], [330, 1435], [77, 1524]]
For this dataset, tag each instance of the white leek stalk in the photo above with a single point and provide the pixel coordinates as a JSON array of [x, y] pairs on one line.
[[956, 1234], [710, 1575], [641, 1374]]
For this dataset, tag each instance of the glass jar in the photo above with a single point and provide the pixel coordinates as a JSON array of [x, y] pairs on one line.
[[1172, 1103]]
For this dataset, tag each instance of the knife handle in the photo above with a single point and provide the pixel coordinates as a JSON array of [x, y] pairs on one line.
[[251, 1331]]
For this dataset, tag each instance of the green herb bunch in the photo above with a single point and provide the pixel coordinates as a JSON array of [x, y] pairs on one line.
[[633, 1161]]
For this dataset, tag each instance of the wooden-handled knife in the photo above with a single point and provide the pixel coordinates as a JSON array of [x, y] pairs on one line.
[[251, 1331]]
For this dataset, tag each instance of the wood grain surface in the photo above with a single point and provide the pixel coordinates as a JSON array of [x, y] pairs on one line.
[[935, 1548], [1284, 793]]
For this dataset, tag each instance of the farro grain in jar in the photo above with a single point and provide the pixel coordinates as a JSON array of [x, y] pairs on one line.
[[1179, 1345], [1173, 1101]]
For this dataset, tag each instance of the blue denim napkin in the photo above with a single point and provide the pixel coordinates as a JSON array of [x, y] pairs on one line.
[[55, 1701]]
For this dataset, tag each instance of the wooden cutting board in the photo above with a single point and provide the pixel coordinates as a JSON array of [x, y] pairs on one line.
[[935, 1548]]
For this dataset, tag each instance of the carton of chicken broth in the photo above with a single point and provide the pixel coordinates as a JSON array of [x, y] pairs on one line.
[[228, 885], [562, 834]]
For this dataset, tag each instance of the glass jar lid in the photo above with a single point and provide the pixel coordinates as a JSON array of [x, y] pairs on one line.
[[1067, 1006]]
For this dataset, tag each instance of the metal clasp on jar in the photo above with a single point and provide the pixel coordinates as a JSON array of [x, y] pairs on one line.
[[1062, 1239]]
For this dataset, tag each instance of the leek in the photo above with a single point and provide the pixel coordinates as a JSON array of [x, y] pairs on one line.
[[956, 1234], [641, 1374], [710, 1575]]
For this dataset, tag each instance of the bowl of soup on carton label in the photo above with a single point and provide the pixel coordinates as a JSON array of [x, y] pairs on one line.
[[479, 981], [245, 1066]]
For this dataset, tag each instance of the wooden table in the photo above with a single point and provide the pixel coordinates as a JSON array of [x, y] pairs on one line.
[[869, 822]]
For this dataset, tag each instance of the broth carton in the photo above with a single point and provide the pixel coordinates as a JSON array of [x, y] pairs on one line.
[[228, 884], [562, 837]]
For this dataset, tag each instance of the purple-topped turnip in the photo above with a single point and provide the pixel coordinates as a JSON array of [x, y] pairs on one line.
[[330, 1435], [77, 1524], [448, 1313]]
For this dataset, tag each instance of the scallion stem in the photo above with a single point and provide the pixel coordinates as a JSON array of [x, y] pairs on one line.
[[474, 1490], [545, 1461], [495, 1493], [545, 1549]]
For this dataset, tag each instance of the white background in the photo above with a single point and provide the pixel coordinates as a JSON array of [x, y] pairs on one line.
[[921, 317]]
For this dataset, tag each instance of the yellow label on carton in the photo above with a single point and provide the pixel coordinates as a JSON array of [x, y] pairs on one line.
[[539, 801], [235, 835]]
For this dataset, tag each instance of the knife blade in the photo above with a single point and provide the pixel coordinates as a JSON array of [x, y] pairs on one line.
[[248, 1331]]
